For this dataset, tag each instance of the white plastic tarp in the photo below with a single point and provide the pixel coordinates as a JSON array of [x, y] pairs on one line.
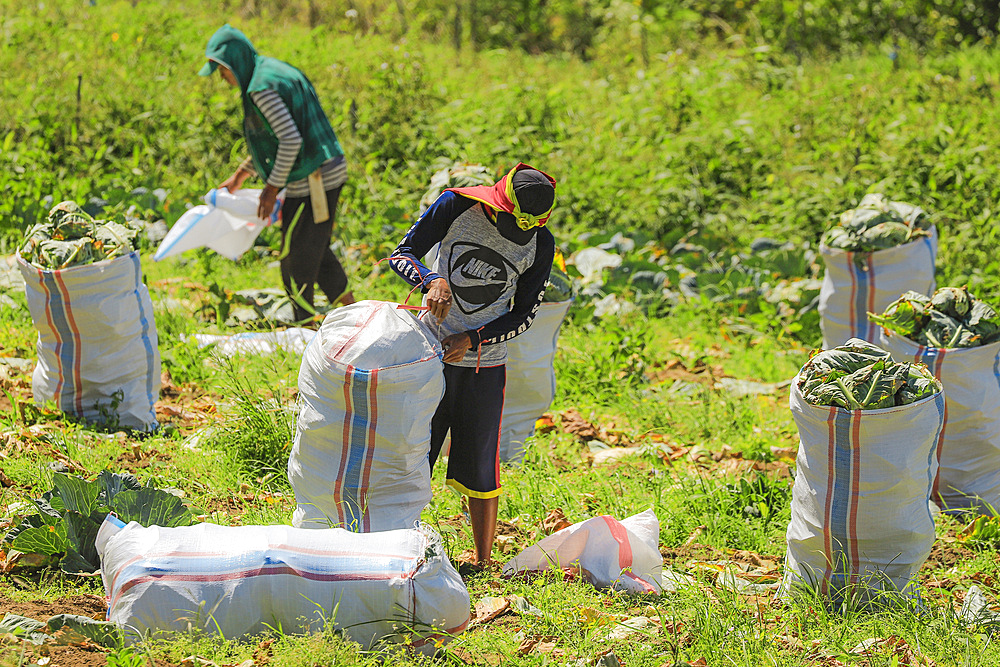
[[226, 223], [622, 555], [861, 520], [293, 340], [369, 383], [531, 380], [969, 447], [237, 581], [858, 283], [97, 345]]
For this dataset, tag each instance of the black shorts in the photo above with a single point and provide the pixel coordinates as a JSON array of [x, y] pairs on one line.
[[472, 408]]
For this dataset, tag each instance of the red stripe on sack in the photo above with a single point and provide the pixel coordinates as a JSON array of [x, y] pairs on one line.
[[851, 268], [277, 547], [831, 422], [77, 355], [260, 572], [443, 635], [852, 522], [360, 326], [645, 585], [370, 444], [338, 486], [55, 332], [620, 535]]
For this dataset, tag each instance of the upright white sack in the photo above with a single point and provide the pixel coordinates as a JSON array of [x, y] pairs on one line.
[[968, 450], [370, 381], [239, 581], [97, 344], [531, 380], [860, 510], [856, 283], [622, 555]]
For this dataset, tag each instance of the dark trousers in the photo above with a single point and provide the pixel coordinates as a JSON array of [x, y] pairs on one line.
[[307, 259]]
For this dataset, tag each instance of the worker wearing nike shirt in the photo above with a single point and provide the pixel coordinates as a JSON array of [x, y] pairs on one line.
[[484, 288]]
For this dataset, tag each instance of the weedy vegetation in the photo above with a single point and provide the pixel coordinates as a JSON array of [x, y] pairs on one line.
[[707, 145]]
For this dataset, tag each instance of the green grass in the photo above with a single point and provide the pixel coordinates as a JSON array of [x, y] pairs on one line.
[[716, 145]]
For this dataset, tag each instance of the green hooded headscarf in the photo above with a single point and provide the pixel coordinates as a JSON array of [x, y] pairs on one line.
[[230, 47]]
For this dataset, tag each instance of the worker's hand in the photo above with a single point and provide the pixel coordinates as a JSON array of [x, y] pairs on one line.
[[267, 198], [439, 298], [455, 346], [234, 182]]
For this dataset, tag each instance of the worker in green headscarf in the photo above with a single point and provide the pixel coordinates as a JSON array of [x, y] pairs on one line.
[[292, 146]]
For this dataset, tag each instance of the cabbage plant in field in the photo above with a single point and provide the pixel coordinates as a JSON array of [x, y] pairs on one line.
[[950, 318], [877, 224], [71, 237], [860, 376]]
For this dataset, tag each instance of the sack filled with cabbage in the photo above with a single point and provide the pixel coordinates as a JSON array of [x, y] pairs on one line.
[[861, 376], [950, 318], [877, 224], [71, 237]]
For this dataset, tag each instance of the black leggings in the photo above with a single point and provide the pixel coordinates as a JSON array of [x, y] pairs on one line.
[[308, 260]]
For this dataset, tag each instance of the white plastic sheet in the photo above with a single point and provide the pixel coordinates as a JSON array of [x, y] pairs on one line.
[[622, 555], [226, 223], [369, 384], [531, 381], [239, 581], [858, 283], [969, 447], [293, 340], [860, 504], [97, 345]]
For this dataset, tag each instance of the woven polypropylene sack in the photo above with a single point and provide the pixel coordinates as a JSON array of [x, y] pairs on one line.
[[969, 447], [370, 381], [622, 555], [97, 345], [531, 380], [860, 504], [858, 283], [239, 581], [226, 223]]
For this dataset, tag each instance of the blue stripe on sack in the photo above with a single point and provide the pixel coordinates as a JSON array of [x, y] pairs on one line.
[[996, 368], [66, 347], [359, 444], [931, 251], [160, 252], [842, 493], [939, 404], [306, 563], [860, 301], [146, 342]]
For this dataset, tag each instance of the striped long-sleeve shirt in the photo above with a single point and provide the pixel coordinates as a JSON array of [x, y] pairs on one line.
[[289, 144]]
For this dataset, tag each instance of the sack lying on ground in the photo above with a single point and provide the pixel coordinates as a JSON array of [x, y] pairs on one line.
[[370, 381], [226, 223], [968, 450], [860, 519], [857, 282], [97, 344], [237, 581], [531, 380], [622, 555]]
